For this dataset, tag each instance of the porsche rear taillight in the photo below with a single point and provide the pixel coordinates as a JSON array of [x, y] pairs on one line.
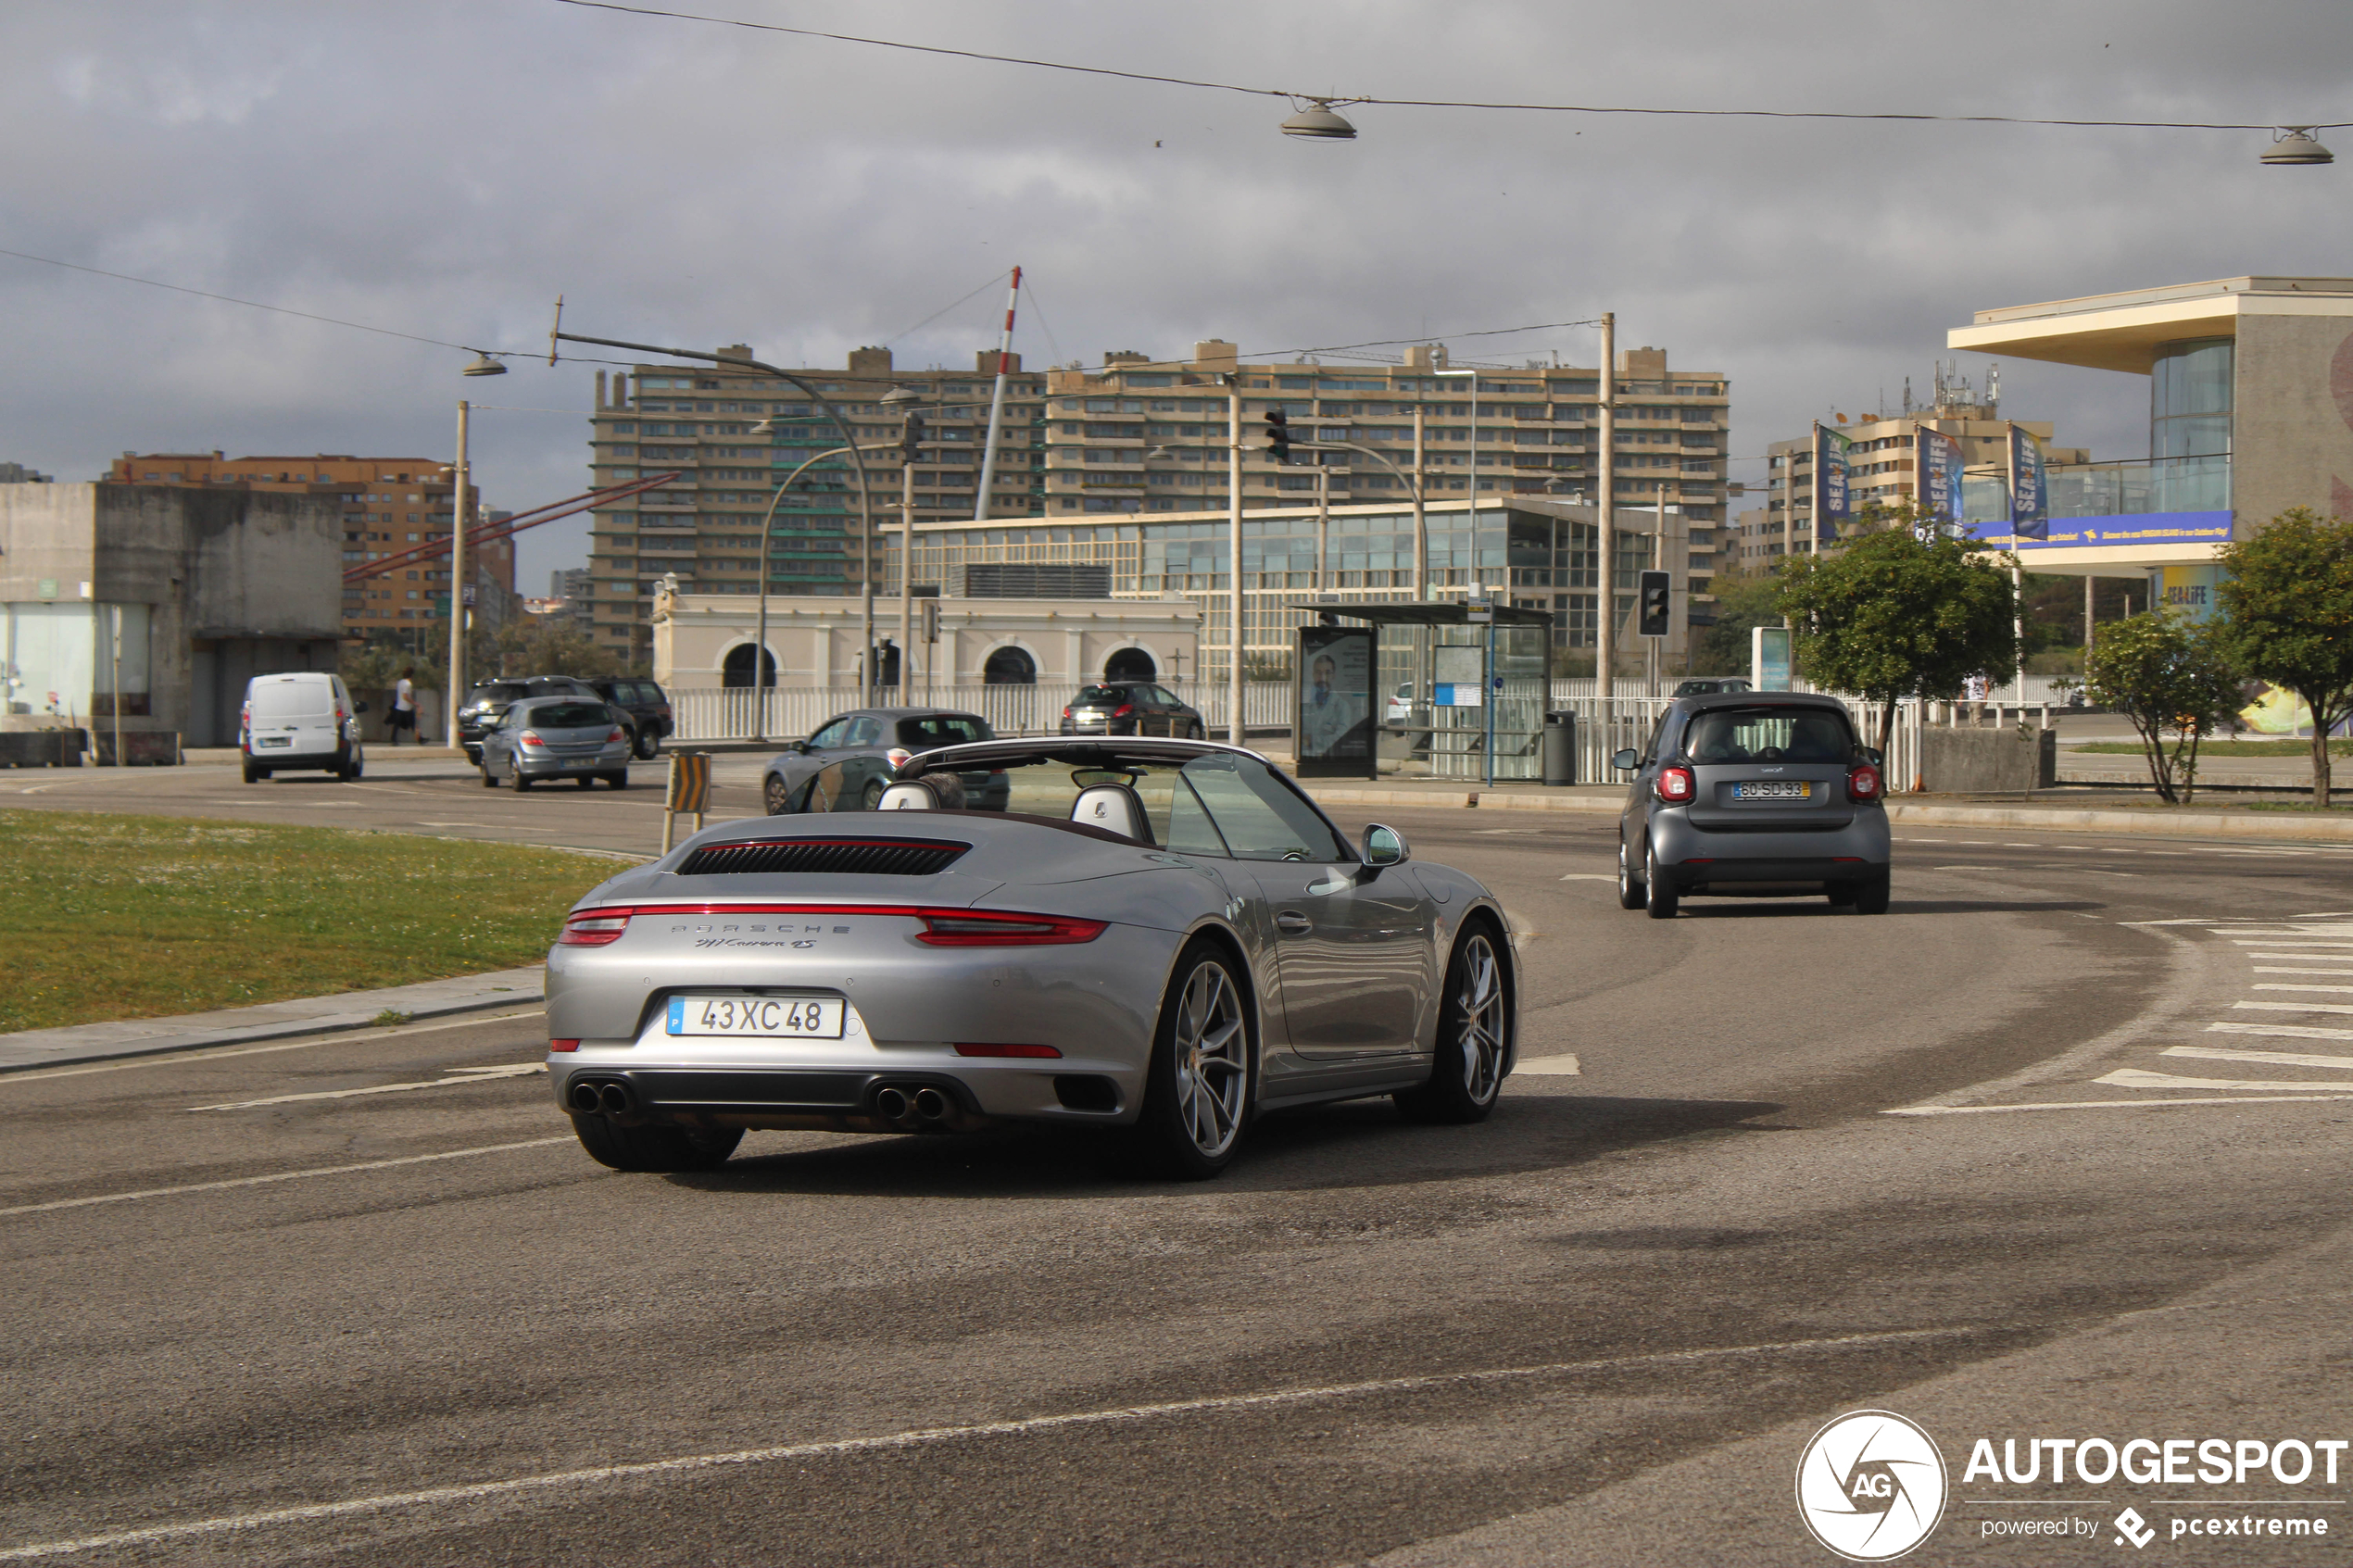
[[1675, 785], [593, 928], [1863, 783], [978, 928]]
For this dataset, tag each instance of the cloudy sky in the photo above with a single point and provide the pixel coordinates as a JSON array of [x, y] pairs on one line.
[[445, 170]]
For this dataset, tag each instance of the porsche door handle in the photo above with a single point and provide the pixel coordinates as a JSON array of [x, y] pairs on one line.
[[1290, 922]]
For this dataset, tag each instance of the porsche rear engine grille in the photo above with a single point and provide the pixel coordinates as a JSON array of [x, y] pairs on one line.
[[865, 857]]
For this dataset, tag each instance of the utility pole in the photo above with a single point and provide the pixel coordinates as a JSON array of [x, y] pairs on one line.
[[1606, 536], [907, 579], [457, 692], [1421, 522], [1233, 555], [996, 416]]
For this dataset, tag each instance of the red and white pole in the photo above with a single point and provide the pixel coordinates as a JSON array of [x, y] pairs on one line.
[[997, 402]]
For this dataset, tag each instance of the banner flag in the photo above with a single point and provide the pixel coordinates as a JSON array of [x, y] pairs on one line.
[[1939, 488], [2030, 495], [1833, 503]]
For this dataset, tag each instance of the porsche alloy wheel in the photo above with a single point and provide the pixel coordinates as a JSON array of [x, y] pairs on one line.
[[1474, 1037], [1197, 1089]]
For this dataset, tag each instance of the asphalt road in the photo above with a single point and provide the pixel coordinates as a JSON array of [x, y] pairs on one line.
[[362, 1300]]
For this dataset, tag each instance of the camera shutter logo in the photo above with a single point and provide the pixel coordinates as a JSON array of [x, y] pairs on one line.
[[1870, 1485]]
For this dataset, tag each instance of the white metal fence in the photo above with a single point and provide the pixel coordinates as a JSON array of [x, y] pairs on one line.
[[1607, 726], [791, 712], [2041, 690]]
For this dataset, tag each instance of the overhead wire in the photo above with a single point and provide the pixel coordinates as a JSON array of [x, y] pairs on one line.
[[1295, 97]]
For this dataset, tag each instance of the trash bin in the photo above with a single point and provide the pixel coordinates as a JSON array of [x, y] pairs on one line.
[[1560, 749]]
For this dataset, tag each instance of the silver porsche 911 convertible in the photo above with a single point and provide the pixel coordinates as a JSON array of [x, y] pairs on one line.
[[1164, 937]]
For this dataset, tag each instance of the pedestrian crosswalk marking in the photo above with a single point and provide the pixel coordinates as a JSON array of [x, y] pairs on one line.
[[2284, 1058], [2281, 1031], [2272, 985], [2293, 1007], [2139, 1078]]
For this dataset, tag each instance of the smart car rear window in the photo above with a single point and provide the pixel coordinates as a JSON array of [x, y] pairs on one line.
[[1768, 734]]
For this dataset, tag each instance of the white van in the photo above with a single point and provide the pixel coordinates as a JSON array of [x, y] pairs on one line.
[[303, 718]]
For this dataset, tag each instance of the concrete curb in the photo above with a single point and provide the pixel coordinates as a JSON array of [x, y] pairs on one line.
[[2157, 821], [271, 1020]]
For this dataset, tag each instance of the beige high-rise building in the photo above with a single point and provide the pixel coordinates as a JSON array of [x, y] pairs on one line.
[[704, 528]]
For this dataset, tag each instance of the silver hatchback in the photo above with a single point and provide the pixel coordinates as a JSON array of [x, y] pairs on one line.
[[1753, 794], [555, 737]]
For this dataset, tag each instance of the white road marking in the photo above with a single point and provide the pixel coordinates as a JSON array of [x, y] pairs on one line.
[[2307, 958], [449, 825], [466, 1075], [352, 1037], [1556, 1066], [2293, 941], [2283, 1058], [2294, 1007], [282, 1176], [929, 1436], [2272, 985], [2108, 1104], [1966, 867], [1591, 876], [2137, 1078], [2281, 1031]]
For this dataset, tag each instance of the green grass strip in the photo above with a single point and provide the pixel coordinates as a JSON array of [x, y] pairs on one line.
[[108, 917], [2218, 748]]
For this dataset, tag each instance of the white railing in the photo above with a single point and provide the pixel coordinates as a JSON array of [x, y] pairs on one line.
[[791, 712], [1625, 723], [2040, 689]]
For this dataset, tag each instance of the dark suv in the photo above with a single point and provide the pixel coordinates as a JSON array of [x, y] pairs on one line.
[[1751, 794], [647, 705], [1130, 708]]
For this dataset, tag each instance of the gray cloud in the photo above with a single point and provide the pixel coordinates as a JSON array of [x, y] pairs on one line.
[[447, 169]]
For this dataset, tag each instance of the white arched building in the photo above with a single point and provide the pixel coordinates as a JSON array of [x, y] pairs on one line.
[[705, 641]]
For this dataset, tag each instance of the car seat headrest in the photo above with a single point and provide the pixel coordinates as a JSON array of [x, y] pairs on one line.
[[1114, 809]]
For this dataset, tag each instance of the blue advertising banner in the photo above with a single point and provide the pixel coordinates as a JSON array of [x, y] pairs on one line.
[[2029, 496], [1833, 503], [2129, 528], [1941, 460]]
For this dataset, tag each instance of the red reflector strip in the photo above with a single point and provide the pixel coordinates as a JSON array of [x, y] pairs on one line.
[[966, 1048], [563, 1045], [972, 928]]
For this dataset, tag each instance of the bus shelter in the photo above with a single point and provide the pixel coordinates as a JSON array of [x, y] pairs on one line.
[[1448, 688]]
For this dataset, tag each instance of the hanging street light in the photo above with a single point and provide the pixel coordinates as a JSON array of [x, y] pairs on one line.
[[2296, 143], [1318, 122], [483, 364]]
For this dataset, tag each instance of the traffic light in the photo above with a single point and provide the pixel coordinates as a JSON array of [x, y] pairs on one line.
[[1278, 435], [911, 438], [1654, 590]]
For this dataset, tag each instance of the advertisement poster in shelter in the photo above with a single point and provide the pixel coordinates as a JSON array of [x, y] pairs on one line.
[[1335, 730]]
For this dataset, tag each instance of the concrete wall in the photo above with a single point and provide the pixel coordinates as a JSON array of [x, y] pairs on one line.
[[1998, 761], [2292, 436], [237, 583]]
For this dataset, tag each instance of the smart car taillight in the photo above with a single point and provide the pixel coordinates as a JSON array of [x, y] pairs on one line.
[[1863, 782], [1675, 785], [984, 928], [593, 928]]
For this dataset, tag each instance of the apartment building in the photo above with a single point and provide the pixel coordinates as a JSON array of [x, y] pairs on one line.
[[704, 528], [385, 504], [1882, 461]]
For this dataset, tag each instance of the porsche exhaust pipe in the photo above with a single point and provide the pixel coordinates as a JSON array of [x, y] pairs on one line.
[[930, 1105], [890, 1104], [614, 1099], [586, 1099]]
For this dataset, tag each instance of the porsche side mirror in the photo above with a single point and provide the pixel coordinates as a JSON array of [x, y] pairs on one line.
[[1384, 846], [1625, 761]]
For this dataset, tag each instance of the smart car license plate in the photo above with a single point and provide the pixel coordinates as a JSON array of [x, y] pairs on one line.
[[1776, 789], [758, 1018]]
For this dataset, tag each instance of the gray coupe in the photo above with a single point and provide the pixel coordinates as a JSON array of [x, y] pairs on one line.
[[1162, 937]]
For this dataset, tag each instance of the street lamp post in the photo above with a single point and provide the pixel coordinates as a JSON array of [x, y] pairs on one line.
[[1234, 556], [865, 496], [1606, 531], [482, 365], [909, 398], [1474, 462], [759, 682]]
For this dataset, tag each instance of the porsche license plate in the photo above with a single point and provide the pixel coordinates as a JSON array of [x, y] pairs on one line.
[[758, 1018], [1776, 789]]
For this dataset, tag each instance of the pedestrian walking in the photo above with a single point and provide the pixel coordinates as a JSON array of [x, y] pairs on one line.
[[404, 709]]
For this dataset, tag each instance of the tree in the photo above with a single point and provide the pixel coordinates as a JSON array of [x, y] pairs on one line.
[[2289, 598], [1743, 600], [1891, 614], [2167, 674]]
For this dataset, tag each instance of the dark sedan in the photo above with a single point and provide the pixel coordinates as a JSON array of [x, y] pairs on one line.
[[1130, 708], [872, 742]]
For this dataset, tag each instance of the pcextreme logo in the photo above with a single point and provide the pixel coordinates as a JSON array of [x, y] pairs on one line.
[[1870, 1485]]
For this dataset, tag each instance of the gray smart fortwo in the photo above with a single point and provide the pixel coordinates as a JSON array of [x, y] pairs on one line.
[[1161, 937], [1753, 794]]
